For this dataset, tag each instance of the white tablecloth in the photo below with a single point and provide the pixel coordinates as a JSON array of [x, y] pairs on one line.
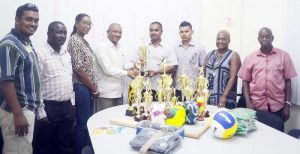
[[264, 140]]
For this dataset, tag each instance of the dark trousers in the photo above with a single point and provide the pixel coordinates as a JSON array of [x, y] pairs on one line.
[[1, 141], [52, 137], [83, 111], [272, 119]]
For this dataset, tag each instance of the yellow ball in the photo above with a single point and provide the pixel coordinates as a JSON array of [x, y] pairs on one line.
[[176, 116]]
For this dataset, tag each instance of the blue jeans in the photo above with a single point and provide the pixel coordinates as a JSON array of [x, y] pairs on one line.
[[83, 111]]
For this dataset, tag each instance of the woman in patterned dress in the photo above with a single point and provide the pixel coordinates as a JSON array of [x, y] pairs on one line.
[[221, 67], [83, 79]]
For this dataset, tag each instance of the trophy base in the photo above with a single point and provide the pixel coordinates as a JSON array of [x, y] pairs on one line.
[[206, 114], [146, 116], [138, 118], [130, 113]]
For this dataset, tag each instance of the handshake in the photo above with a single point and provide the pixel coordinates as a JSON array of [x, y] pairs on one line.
[[133, 73], [136, 70]]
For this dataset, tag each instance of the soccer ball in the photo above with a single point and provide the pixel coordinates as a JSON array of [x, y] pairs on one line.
[[223, 124]]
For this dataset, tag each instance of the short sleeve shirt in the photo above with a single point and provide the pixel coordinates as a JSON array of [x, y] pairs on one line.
[[267, 74], [154, 60], [189, 60]]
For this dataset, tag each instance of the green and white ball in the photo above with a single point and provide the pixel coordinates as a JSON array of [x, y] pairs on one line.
[[223, 124]]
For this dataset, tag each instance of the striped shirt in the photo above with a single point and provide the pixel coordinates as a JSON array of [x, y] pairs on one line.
[[18, 64], [56, 73]]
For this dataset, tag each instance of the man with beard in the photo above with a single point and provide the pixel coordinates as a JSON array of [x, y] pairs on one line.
[[266, 75], [19, 82], [52, 132]]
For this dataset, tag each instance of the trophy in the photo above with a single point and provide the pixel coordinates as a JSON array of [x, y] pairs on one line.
[[143, 53], [131, 97], [159, 93], [183, 82], [147, 99], [174, 98], [203, 94], [135, 95], [201, 80], [137, 84], [164, 91], [190, 91]]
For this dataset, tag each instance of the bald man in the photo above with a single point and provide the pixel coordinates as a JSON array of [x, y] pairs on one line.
[[110, 69], [221, 67], [266, 75]]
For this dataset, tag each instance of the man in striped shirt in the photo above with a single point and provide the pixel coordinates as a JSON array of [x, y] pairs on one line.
[[19, 82]]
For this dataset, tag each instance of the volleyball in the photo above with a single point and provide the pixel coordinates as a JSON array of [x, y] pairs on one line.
[[223, 124]]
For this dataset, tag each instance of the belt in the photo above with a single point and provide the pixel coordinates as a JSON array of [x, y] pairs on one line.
[[51, 101]]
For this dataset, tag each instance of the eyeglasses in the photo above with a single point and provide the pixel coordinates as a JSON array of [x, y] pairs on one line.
[[265, 36], [87, 23]]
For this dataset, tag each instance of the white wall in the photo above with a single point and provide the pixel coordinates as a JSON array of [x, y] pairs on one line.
[[243, 18]]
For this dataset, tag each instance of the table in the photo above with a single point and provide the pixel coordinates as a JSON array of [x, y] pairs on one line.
[[264, 140]]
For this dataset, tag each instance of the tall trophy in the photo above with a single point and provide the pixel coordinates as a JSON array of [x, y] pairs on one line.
[[203, 94], [164, 91], [190, 91], [183, 82], [143, 53], [137, 85]]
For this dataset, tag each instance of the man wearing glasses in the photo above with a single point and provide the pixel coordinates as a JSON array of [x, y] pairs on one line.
[[19, 82]]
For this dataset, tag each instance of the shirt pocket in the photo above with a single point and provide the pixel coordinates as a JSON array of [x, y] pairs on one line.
[[52, 66], [67, 65], [277, 73], [193, 59]]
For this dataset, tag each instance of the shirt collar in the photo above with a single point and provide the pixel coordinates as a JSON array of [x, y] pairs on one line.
[[110, 44], [192, 43], [273, 51], [161, 44], [20, 37], [52, 51]]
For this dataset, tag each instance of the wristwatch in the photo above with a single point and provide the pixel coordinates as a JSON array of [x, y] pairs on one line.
[[288, 102]]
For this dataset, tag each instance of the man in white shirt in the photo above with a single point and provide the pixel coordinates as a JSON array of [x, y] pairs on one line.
[[52, 133], [110, 70], [158, 51]]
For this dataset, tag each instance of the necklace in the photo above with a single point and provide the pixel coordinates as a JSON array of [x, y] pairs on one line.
[[217, 61]]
